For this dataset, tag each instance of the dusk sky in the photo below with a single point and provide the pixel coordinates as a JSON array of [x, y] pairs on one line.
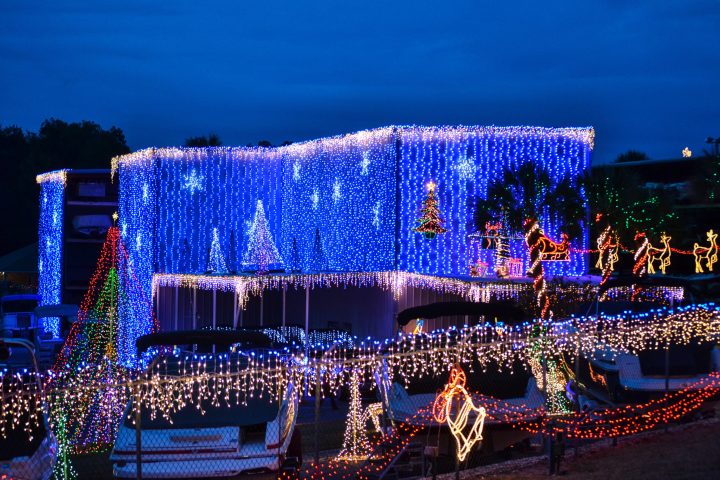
[[645, 74]]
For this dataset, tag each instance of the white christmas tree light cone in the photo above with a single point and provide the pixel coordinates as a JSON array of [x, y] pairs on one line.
[[355, 444], [216, 262], [261, 254]]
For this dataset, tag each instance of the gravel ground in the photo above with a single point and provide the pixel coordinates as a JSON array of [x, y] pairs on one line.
[[689, 451]]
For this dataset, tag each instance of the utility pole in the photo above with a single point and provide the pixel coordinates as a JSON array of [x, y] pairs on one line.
[[715, 144]]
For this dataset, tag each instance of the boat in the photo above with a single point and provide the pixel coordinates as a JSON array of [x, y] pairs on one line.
[[28, 452], [221, 439], [614, 376], [17, 314]]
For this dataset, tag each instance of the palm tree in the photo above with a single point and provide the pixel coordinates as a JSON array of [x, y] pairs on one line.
[[528, 192]]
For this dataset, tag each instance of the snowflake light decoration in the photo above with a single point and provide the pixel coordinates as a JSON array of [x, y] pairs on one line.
[[194, 182], [466, 167]]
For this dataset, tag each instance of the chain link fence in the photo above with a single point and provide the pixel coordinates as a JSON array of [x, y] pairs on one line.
[[343, 413]]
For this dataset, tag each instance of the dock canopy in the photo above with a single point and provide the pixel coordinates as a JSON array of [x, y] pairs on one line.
[[222, 340]]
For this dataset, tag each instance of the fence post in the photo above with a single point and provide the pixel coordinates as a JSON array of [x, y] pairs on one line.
[[317, 413], [138, 435], [667, 376]]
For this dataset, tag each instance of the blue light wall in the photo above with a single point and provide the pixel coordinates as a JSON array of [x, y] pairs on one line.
[[345, 187], [50, 231], [202, 189], [463, 162], [137, 207], [362, 191]]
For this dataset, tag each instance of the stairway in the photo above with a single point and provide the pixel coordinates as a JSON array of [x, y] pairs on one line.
[[408, 464]]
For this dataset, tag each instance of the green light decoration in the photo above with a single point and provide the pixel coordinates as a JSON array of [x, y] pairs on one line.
[[63, 469], [91, 352], [551, 380]]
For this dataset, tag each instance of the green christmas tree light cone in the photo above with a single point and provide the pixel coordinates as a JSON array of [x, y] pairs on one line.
[[89, 363]]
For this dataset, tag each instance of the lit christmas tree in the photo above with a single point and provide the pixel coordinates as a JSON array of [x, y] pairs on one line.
[[216, 260], [355, 443], [318, 259], [99, 349], [430, 222], [262, 255]]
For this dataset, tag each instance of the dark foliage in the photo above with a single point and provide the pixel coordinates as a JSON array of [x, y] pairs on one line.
[[527, 192], [628, 206], [212, 140], [631, 156], [23, 155]]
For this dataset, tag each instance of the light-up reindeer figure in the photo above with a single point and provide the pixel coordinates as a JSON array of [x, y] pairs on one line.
[[661, 255], [709, 254]]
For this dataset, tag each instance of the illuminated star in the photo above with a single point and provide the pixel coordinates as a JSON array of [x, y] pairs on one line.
[[336, 191], [364, 164], [194, 182], [466, 167], [686, 152], [296, 171], [315, 199]]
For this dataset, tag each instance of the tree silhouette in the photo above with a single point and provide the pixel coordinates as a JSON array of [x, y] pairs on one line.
[[212, 140], [631, 156], [318, 259], [295, 263]]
